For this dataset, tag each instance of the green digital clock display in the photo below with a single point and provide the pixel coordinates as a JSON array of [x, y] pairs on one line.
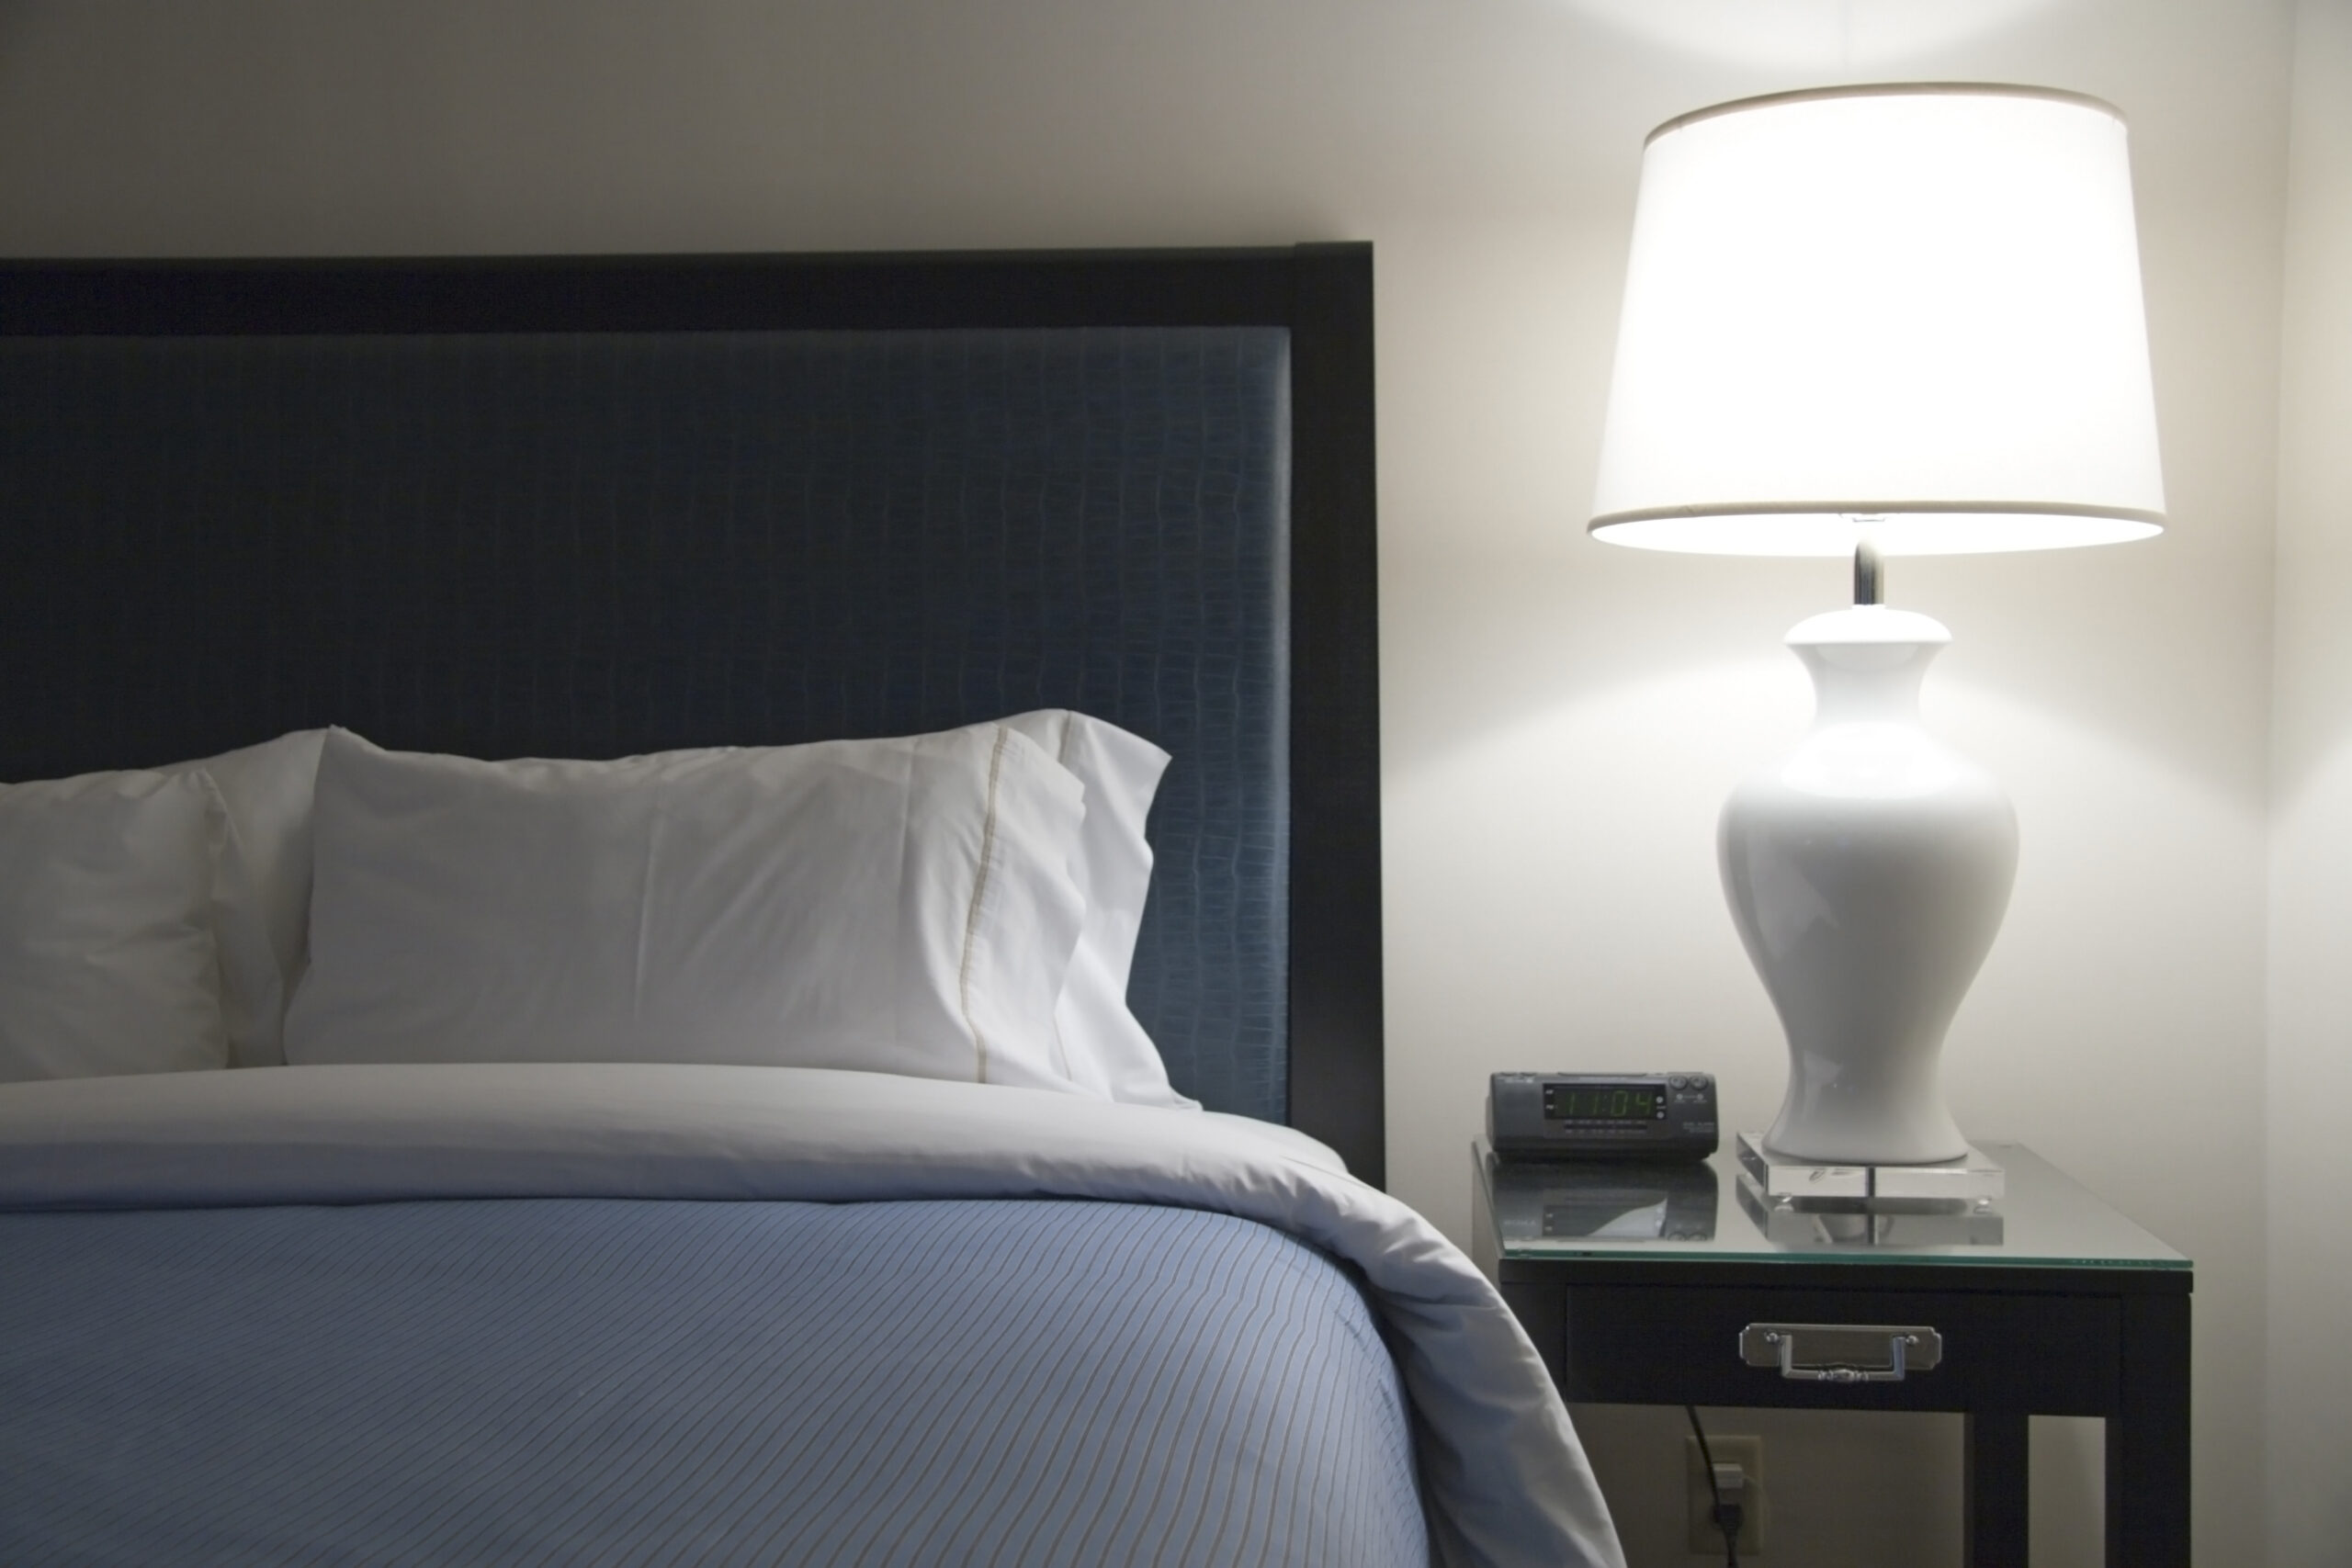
[[1627, 1104]]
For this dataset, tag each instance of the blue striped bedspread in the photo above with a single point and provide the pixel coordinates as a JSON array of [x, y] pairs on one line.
[[556, 1313], [609, 1382]]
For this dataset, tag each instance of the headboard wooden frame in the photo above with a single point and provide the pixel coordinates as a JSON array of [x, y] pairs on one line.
[[1321, 294]]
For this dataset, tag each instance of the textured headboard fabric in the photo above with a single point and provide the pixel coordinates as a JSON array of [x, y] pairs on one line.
[[457, 510]]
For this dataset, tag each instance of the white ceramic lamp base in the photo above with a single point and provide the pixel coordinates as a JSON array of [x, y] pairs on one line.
[[1868, 872]]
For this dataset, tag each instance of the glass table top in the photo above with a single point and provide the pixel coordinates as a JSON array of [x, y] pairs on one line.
[[1545, 1210]]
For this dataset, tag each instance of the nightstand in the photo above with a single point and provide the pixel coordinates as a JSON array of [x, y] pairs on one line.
[[1663, 1285]]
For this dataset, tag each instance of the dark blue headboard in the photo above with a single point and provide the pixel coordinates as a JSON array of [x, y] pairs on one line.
[[510, 508]]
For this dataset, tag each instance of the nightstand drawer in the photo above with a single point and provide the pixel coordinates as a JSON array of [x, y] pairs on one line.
[[2055, 1354]]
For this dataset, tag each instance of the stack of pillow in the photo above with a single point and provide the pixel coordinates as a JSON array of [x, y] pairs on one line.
[[961, 905]]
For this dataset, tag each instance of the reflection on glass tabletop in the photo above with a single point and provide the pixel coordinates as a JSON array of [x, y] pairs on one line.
[[1710, 1210]]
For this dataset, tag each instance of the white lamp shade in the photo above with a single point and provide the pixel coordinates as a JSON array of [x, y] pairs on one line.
[[1917, 303]]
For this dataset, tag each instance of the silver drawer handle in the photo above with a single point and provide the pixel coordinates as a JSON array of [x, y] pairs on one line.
[[1841, 1352]]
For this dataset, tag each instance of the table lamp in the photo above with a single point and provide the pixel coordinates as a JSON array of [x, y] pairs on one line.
[[1878, 321]]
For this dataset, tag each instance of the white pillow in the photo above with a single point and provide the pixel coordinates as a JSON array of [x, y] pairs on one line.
[[901, 906], [268, 789], [263, 894], [1105, 1046], [108, 958]]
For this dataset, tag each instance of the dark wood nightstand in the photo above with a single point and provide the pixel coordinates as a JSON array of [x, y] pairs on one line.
[[2060, 1307]]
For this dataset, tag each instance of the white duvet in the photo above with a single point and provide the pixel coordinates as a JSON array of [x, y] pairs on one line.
[[1506, 1482]]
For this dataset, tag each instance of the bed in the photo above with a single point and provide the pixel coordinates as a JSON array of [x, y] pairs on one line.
[[968, 662]]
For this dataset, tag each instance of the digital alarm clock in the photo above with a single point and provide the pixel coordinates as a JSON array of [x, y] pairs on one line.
[[1658, 1116]]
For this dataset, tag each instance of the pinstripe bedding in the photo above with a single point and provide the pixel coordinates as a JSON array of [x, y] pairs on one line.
[[600, 1381], [628, 1313]]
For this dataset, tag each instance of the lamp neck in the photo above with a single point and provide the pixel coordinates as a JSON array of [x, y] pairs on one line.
[[1866, 662], [1870, 573]]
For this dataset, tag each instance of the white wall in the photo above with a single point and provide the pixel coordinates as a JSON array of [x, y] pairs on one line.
[[1562, 719], [2310, 910]]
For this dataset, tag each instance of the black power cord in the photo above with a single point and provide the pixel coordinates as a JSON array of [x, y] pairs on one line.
[[1728, 1517]]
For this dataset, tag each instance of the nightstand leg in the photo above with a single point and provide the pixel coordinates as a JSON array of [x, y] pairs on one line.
[[2147, 1439], [1993, 1516]]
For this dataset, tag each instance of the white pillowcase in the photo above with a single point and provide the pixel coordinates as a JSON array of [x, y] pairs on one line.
[[901, 906], [1105, 1047], [262, 903], [107, 957], [268, 790]]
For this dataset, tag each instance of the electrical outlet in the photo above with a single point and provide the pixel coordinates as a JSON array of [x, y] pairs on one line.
[[1749, 1454]]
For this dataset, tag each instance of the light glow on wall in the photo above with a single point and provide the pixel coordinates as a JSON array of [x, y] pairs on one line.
[[1814, 34]]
